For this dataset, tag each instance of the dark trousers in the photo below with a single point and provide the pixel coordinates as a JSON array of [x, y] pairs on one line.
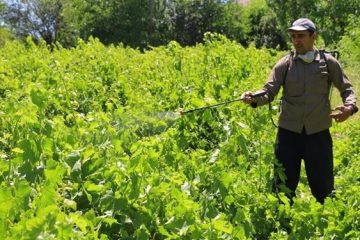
[[316, 151]]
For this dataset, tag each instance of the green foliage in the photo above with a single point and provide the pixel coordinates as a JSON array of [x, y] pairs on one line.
[[40, 19], [134, 23], [262, 26], [125, 22], [289, 11], [336, 17], [145, 24], [330, 17], [5, 36], [194, 18], [92, 147], [350, 44], [152, 23]]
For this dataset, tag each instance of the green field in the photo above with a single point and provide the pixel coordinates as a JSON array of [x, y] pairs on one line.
[[93, 147]]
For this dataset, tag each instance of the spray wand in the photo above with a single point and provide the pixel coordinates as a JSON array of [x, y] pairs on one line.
[[256, 94]]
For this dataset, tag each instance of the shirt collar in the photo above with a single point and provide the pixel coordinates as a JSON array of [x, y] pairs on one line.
[[317, 55]]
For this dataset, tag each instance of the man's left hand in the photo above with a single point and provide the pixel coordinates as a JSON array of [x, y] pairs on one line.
[[342, 113]]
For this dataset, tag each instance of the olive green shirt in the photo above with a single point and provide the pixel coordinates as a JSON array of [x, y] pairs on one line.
[[305, 101]]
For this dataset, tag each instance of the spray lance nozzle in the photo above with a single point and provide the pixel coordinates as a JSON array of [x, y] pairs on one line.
[[254, 95]]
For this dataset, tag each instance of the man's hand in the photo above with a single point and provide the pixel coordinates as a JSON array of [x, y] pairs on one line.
[[247, 97], [342, 113]]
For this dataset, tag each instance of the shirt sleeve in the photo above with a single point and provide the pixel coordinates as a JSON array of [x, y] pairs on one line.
[[274, 82], [341, 82]]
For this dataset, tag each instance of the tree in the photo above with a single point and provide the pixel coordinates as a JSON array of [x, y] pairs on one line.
[[191, 19], [288, 11], [330, 17], [5, 35], [262, 26], [37, 18], [114, 21], [139, 23], [333, 18]]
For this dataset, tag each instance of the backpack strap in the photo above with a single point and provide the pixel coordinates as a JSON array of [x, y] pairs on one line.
[[288, 64], [289, 60], [335, 54], [322, 52]]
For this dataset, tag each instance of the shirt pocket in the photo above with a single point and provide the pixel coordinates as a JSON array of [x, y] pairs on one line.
[[294, 86], [320, 82]]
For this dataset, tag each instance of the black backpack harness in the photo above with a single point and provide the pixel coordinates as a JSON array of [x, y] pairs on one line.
[[322, 52]]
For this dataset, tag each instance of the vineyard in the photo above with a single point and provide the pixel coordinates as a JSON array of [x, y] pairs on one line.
[[93, 147]]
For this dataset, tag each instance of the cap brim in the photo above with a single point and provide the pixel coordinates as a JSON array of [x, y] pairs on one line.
[[297, 28]]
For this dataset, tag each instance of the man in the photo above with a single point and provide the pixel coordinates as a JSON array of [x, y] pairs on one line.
[[305, 117]]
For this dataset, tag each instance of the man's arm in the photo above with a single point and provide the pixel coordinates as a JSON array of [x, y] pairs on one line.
[[272, 86], [342, 83]]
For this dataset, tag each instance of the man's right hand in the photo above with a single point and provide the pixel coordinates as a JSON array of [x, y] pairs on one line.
[[247, 97]]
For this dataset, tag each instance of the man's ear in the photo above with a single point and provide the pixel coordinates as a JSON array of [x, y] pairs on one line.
[[314, 36]]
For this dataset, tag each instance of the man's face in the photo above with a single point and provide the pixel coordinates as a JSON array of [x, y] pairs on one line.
[[302, 41]]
